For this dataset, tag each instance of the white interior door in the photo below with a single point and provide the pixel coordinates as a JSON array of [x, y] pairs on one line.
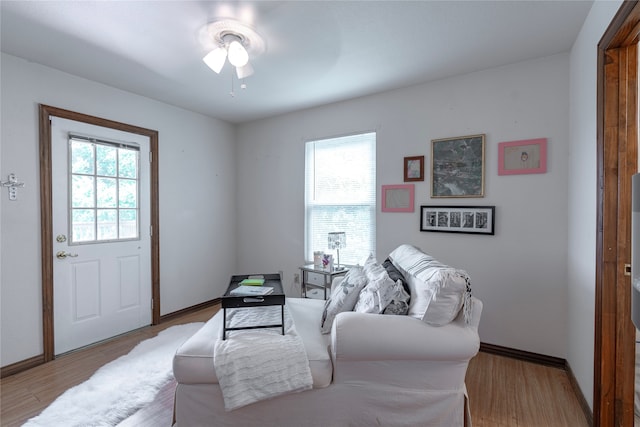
[[101, 231]]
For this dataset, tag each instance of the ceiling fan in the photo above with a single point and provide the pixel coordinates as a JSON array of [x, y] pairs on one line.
[[234, 41]]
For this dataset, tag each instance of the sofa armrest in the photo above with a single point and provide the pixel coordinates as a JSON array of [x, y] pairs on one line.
[[367, 337]]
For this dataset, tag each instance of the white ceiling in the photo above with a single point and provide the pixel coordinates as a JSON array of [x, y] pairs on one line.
[[317, 52]]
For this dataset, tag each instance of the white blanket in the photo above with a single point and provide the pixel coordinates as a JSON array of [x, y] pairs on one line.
[[256, 364]]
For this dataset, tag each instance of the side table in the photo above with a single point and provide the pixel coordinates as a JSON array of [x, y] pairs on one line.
[[327, 278], [277, 297]]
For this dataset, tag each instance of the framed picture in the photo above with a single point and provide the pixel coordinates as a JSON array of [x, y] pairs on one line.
[[457, 167], [414, 168], [458, 219], [521, 157], [398, 198]]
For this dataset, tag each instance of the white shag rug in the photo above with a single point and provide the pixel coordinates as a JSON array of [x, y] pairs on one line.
[[119, 388]]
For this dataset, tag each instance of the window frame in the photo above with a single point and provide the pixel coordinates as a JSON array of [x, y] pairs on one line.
[[311, 203]]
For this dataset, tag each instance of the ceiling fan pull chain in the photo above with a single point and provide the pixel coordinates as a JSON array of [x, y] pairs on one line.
[[233, 94]]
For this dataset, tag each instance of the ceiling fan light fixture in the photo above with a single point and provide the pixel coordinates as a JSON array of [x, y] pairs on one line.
[[216, 59], [238, 56], [245, 71]]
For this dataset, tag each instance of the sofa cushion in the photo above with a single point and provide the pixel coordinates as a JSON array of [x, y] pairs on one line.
[[343, 297], [438, 291], [193, 361], [379, 291]]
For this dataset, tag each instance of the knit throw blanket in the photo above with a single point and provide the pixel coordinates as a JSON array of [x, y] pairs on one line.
[[257, 364]]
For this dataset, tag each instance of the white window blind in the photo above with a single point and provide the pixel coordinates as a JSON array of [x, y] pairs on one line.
[[340, 195]]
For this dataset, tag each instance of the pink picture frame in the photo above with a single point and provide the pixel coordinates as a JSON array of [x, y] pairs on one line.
[[398, 198], [522, 157]]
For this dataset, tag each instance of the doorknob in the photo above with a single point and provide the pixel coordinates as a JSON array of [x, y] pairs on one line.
[[63, 255]]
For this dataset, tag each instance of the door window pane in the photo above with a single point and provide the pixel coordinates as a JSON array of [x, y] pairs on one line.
[[83, 225], [128, 223], [128, 193], [82, 191], [107, 193], [128, 163], [81, 157], [106, 160], [104, 191], [107, 224]]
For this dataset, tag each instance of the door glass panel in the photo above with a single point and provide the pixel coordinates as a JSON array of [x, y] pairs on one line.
[[82, 191], [108, 224], [104, 191], [128, 193], [106, 160], [128, 160], [82, 158], [128, 223], [83, 225], [107, 193]]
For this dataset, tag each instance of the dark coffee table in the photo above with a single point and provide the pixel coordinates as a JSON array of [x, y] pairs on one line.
[[243, 301]]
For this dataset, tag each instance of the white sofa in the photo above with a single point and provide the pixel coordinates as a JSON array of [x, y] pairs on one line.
[[372, 369]]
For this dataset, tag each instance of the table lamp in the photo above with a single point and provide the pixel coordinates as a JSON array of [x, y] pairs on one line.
[[337, 241]]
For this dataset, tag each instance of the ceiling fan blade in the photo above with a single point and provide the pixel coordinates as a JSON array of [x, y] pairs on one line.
[[245, 71]]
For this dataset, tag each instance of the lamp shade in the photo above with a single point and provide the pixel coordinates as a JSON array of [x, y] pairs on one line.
[[238, 56], [215, 59], [245, 71], [337, 240]]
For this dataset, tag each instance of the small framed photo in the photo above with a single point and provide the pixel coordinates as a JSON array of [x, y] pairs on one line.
[[458, 219], [414, 168], [457, 167], [522, 157], [398, 198]]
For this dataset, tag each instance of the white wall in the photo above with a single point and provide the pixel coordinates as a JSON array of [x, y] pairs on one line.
[[520, 273], [197, 195], [582, 195]]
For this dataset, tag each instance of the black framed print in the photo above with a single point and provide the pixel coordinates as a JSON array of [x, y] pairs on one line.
[[458, 219]]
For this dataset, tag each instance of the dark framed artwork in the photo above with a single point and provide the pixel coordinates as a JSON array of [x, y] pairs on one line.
[[414, 168], [458, 219], [457, 167]]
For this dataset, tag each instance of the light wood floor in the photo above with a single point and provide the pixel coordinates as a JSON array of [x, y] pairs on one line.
[[503, 392]]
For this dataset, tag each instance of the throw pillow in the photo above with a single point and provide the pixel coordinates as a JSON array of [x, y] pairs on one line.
[[395, 274], [343, 297], [379, 291], [400, 300], [438, 291], [448, 298]]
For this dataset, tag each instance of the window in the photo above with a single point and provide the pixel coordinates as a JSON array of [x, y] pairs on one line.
[[340, 195], [103, 183]]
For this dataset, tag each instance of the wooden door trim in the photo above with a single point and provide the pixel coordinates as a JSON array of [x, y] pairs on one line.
[[46, 213], [617, 131]]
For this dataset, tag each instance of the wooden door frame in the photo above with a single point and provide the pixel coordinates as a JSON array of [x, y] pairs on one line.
[[617, 145], [46, 213]]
